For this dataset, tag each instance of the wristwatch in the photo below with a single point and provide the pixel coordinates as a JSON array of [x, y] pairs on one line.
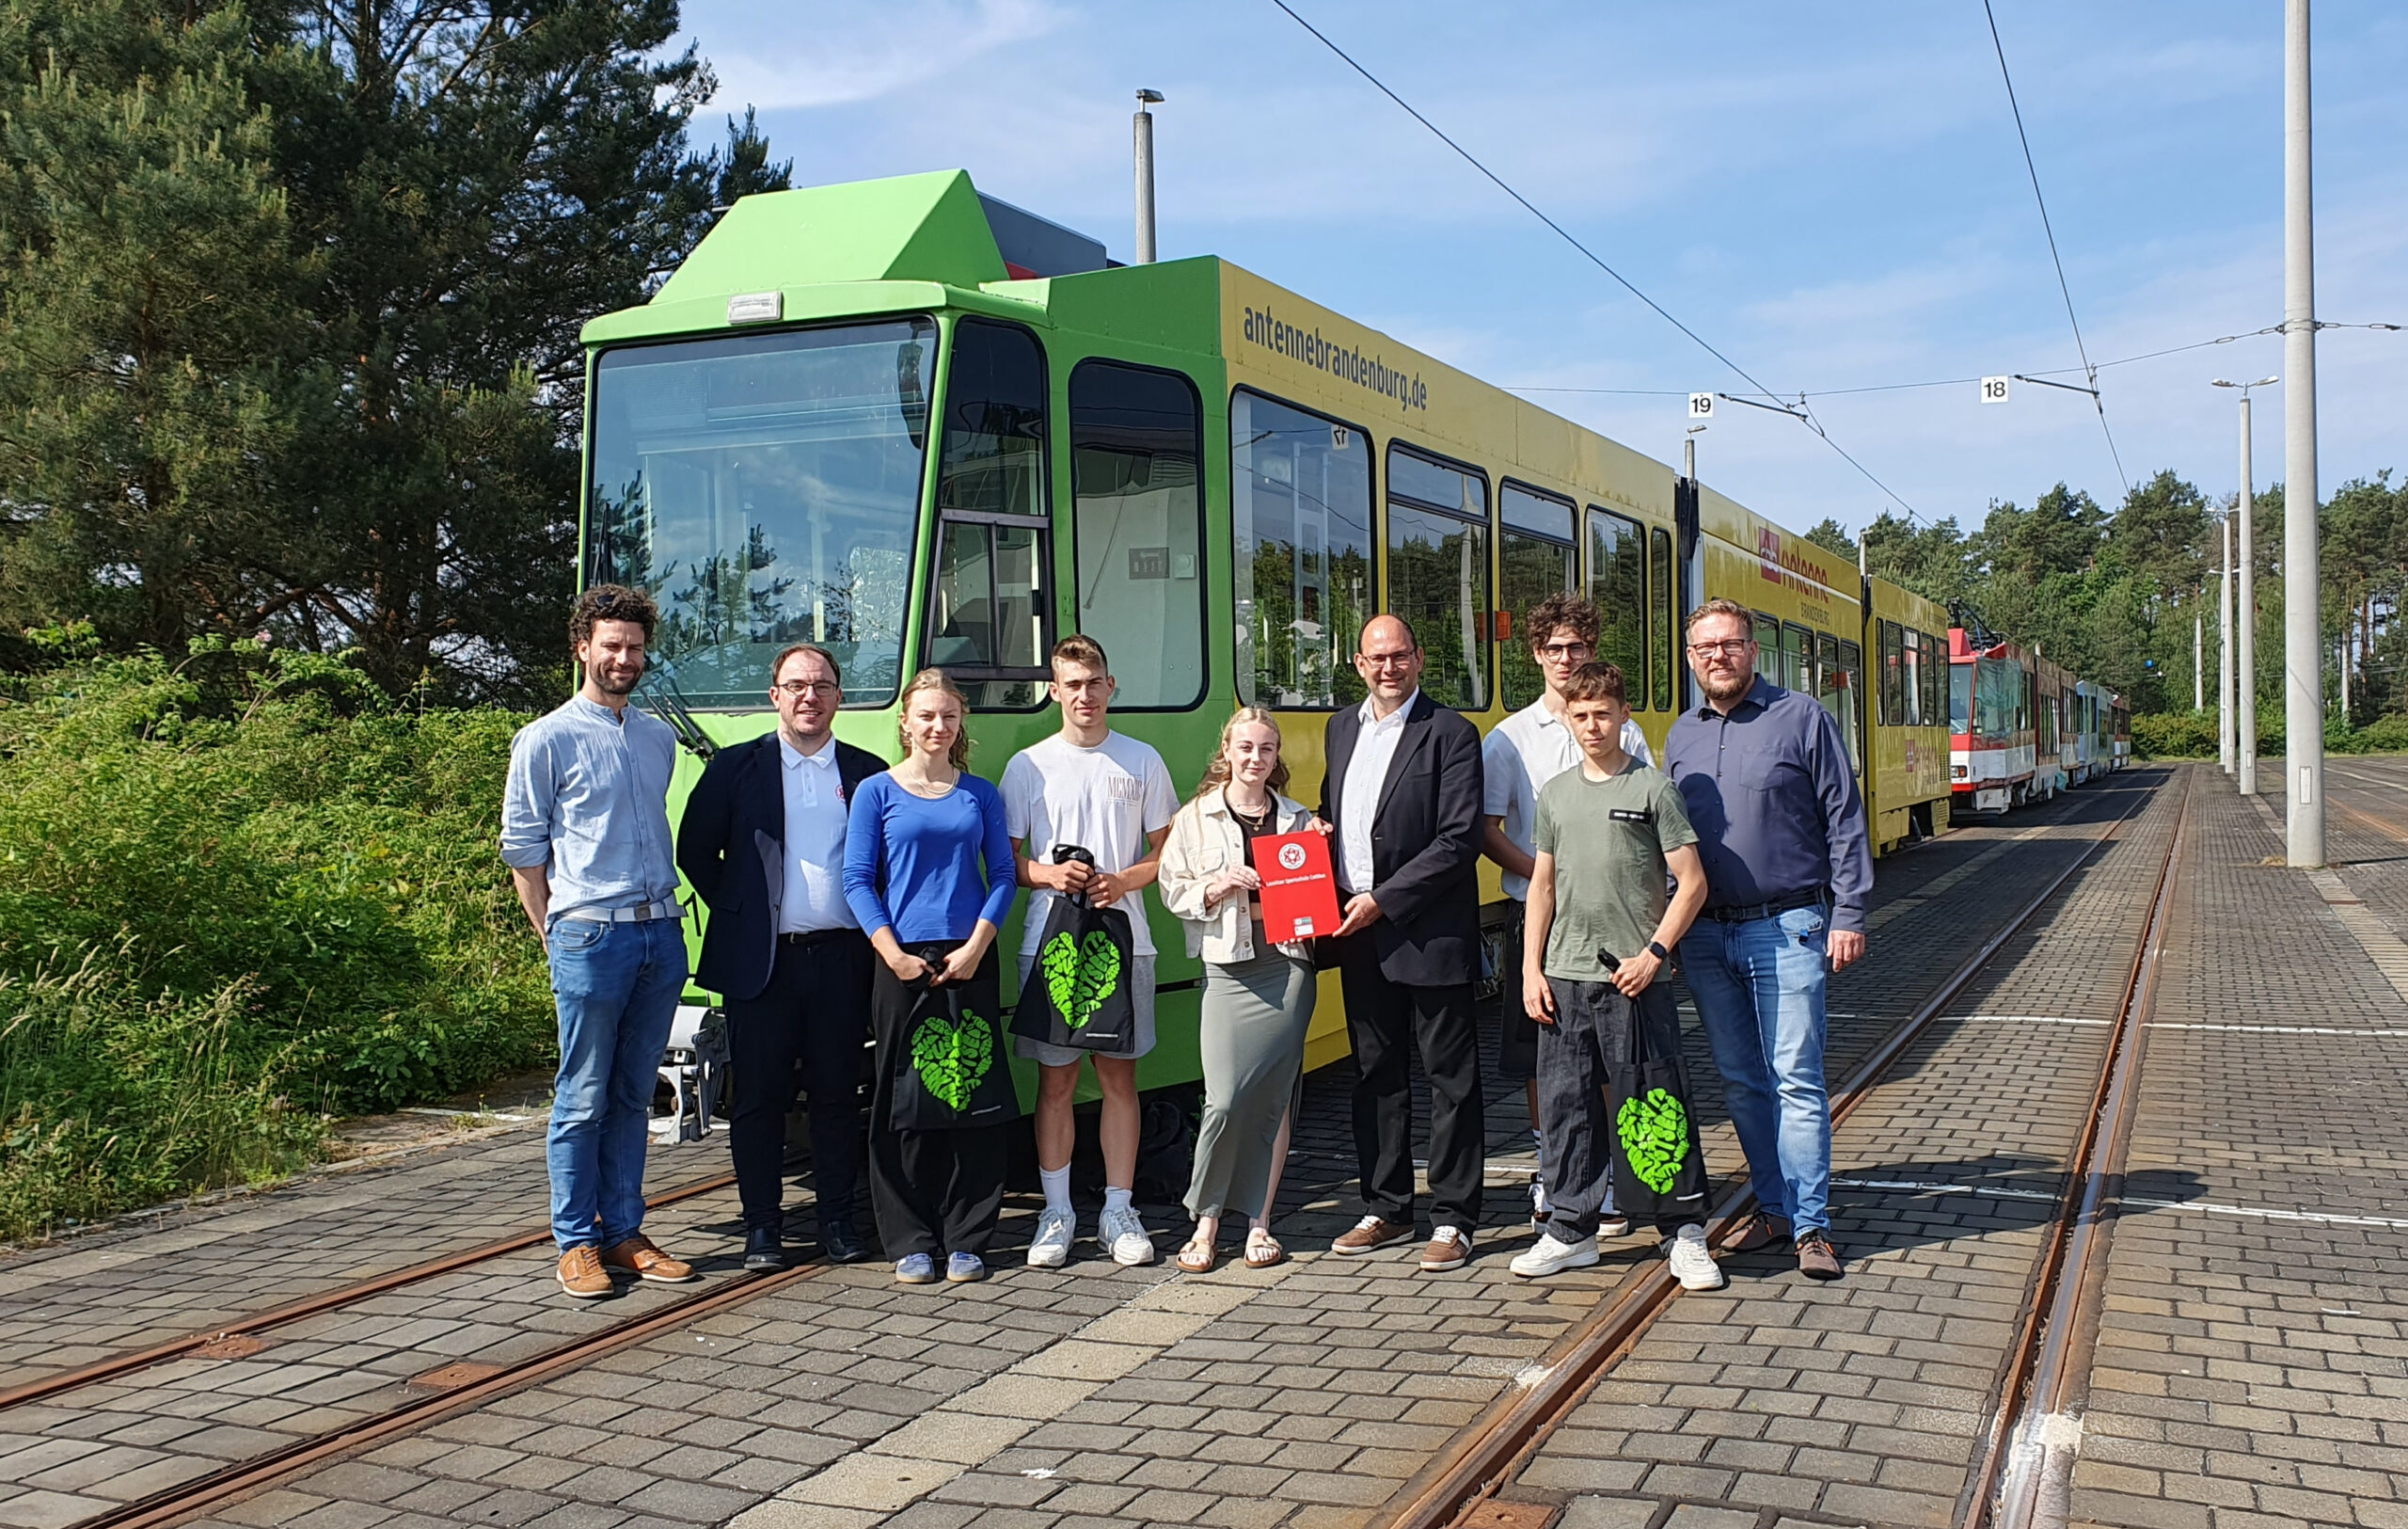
[[1659, 951]]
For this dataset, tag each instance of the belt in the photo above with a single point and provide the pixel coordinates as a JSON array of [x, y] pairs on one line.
[[818, 936], [1749, 913], [644, 915]]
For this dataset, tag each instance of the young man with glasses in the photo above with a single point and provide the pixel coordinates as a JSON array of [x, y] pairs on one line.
[[585, 834], [1402, 786], [1521, 755], [1788, 868], [763, 844]]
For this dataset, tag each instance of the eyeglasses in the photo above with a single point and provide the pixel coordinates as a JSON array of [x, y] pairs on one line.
[[809, 687], [1386, 660], [1730, 648], [1565, 650]]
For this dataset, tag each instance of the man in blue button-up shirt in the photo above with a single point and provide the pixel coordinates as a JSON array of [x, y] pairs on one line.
[[585, 832], [1781, 825]]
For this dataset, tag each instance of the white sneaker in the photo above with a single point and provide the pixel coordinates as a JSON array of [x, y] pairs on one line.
[[1538, 1206], [1611, 1225], [1051, 1248], [1548, 1256], [1125, 1234], [1692, 1264]]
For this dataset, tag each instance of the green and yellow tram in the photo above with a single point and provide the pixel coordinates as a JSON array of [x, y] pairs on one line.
[[923, 427]]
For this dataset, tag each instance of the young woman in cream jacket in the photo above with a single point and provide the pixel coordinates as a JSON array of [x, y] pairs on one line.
[[1257, 996]]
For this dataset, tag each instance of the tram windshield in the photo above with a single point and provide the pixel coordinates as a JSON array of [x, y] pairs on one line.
[[765, 489], [1961, 697]]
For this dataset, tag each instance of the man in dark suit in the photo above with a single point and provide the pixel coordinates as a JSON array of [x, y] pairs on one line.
[[763, 843], [1402, 785]]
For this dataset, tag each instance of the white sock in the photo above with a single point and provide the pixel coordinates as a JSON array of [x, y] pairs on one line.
[[1115, 1200], [1057, 1188]]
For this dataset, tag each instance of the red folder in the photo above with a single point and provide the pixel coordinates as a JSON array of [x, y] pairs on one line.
[[1299, 892]]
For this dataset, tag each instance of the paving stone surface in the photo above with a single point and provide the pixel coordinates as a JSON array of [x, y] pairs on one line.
[[2252, 1365], [1301, 1396]]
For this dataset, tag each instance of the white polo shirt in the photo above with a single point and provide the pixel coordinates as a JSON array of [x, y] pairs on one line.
[[1522, 753], [813, 895], [1358, 804]]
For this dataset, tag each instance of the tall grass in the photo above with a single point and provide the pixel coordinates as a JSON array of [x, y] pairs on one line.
[[239, 895]]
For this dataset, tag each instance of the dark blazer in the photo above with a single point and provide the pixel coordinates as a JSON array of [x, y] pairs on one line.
[[731, 846], [1425, 843]]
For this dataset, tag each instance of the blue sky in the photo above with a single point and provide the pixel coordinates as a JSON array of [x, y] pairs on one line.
[[1833, 195]]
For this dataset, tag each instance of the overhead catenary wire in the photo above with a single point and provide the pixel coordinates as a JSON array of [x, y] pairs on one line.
[[1590, 255], [2090, 372]]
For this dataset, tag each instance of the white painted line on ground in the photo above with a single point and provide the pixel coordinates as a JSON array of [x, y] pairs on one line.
[[2019, 1019], [2270, 1029], [2204, 1207]]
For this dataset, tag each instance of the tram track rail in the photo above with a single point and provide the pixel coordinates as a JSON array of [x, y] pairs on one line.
[[1493, 1450], [63, 1382]]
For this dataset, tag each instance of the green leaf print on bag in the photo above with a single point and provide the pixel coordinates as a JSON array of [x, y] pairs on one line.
[[953, 1057], [1078, 977], [1654, 1132]]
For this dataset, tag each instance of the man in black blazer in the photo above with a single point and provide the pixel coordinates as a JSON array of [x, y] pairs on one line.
[[1402, 785], [763, 844]]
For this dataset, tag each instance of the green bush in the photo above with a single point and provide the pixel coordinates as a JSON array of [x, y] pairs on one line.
[[2175, 735], [238, 895]]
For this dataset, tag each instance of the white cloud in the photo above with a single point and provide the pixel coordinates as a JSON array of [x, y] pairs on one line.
[[823, 56]]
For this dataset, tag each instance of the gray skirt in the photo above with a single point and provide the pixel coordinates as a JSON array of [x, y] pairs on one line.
[[1251, 1037]]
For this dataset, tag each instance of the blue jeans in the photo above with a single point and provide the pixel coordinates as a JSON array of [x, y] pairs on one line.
[[1759, 990], [616, 987]]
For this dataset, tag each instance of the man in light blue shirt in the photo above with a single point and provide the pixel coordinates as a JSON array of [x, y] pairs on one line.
[[585, 832]]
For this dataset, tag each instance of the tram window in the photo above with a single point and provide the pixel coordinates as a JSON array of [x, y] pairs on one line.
[[1893, 668], [1662, 632], [1767, 645], [990, 610], [765, 490], [1796, 658], [1935, 680], [1852, 684], [1828, 688], [1618, 587], [1910, 693], [1300, 530], [1439, 573], [1137, 456], [1961, 697], [1537, 557]]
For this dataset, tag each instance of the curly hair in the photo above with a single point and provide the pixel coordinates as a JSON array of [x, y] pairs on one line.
[[611, 602], [1563, 609]]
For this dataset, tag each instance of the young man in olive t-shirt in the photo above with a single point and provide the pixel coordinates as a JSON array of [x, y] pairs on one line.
[[1598, 932]]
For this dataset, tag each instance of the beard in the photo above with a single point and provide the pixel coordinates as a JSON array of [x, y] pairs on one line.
[[616, 681], [1726, 686]]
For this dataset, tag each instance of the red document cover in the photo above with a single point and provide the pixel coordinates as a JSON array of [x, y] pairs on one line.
[[1299, 892]]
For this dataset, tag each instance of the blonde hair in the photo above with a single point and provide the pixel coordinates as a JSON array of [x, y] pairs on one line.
[[934, 679], [1217, 771]]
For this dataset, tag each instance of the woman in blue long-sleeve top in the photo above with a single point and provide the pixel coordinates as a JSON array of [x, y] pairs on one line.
[[928, 873]]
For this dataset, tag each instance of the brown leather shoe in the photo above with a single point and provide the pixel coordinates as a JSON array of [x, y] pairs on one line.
[[582, 1275], [1757, 1233], [639, 1257], [1449, 1249], [1370, 1235], [1817, 1258]]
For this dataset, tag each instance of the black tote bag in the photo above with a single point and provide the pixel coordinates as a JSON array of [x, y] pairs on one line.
[[1660, 1163], [950, 1071], [1077, 994]]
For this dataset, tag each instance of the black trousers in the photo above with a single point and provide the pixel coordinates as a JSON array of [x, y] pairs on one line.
[[934, 1192], [809, 1026], [1383, 1018], [1592, 1035]]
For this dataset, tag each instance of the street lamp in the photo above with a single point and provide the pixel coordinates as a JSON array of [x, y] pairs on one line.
[[2246, 665], [1142, 145]]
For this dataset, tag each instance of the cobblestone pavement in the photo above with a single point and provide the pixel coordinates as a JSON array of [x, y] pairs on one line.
[[2252, 1366], [1302, 1394], [2366, 829], [1864, 1401]]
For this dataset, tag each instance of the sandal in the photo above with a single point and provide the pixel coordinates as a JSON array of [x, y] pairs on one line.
[[1262, 1250], [1198, 1257]]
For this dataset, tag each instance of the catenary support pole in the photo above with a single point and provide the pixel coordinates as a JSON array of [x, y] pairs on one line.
[[2199, 657], [2303, 646], [2245, 657], [2224, 657], [1142, 149]]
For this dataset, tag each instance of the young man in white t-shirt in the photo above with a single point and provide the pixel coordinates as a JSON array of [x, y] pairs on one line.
[[1521, 755], [1111, 795]]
